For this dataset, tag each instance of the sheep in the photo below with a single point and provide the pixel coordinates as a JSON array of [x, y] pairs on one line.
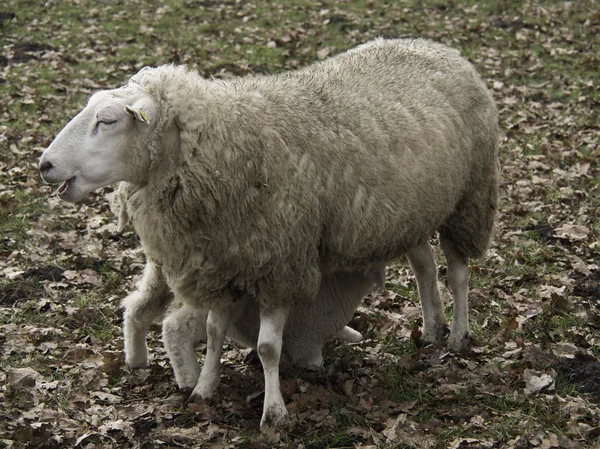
[[262, 184], [306, 330]]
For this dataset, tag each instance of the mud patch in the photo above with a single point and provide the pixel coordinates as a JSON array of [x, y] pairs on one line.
[[583, 374], [6, 17], [47, 273], [588, 287], [26, 51], [27, 286], [18, 291]]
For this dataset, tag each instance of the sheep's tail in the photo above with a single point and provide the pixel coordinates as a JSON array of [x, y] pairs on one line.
[[471, 225]]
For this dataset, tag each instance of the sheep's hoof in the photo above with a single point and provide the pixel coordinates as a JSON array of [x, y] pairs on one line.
[[187, 392], [273, 416], [202, 392], [461, 343], [435, 336], [194, 398]]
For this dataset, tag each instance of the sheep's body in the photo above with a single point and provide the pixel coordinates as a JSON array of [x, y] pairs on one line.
[[261, 184], [364, 156]]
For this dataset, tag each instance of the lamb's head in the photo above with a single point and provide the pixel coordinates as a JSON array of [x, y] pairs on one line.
[[96, 148]]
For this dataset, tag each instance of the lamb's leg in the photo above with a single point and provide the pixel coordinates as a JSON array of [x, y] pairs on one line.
[[142, 307], [423, 266], [458, 278], [270, 337], [182, 329], [217, 323], [349, 335]]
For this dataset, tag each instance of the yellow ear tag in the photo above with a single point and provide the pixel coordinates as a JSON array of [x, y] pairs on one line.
[[139, 114]]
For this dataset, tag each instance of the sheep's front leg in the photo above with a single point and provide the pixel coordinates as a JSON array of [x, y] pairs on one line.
[[182, 329], [217, 323], [142, 307], [270, 338], [424, 267], [458, 278]]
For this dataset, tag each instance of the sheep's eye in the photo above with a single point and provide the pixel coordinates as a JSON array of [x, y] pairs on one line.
[[103, 122]]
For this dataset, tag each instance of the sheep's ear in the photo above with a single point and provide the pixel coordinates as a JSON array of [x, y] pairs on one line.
[[142, 110]]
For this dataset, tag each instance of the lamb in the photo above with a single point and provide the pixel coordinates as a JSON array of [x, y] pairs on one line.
[[262, 184], [306, 330]]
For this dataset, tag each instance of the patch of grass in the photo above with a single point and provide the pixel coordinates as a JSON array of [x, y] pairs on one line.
[[346, 418], [21, 399], [324, 439], [16, 219], [99, 327], [403, 386], [552, 324], [393, 344]]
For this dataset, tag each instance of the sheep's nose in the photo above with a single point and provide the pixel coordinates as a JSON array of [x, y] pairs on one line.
[[45, 166]]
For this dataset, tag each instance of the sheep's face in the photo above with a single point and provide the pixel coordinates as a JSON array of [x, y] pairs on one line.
[[95, 148]]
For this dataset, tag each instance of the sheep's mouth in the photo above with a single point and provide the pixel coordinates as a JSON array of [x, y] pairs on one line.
[[63, 188]]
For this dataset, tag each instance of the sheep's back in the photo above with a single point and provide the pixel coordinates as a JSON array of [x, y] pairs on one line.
[[383, 137]]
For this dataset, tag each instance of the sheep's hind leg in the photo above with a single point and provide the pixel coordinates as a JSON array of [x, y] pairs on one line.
[[458, 278], [270, 338], [142, 307], [182, 329], [424, 267], [217, 323]]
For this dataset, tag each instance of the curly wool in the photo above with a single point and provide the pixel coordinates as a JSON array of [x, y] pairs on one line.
[[349, 162]]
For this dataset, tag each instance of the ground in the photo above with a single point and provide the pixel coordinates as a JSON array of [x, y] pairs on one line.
[[532, 379]]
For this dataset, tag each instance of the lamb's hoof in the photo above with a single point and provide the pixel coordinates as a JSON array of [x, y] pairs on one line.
[[275, 416], [435, 336], [349, 335], [137, 362], [460, 343]]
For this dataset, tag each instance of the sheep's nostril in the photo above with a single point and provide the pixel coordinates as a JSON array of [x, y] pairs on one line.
[[45, 166]]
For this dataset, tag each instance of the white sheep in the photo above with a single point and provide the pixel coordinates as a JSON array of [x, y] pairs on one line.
[[261, 184]]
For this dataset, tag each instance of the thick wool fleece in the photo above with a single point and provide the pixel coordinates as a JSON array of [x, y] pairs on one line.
[[258, 183]]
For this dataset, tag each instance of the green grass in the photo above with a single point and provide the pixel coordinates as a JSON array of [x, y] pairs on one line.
[[552, 325], [15, 217], [403, 386], [541, 53]]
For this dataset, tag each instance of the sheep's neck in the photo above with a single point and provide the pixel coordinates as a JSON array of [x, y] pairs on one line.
[[168, 154]]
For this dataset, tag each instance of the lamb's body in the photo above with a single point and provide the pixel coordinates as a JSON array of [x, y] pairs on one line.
[[260, 184], [306, 330]]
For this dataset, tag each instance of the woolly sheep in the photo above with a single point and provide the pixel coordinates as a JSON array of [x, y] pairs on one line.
[[261, 184]]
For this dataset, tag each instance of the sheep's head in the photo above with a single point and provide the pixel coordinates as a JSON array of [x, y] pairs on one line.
[[95, 148]]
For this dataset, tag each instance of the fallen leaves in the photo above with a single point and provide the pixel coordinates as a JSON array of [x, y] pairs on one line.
[[536, 382], [572, 232], [531, 380]]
